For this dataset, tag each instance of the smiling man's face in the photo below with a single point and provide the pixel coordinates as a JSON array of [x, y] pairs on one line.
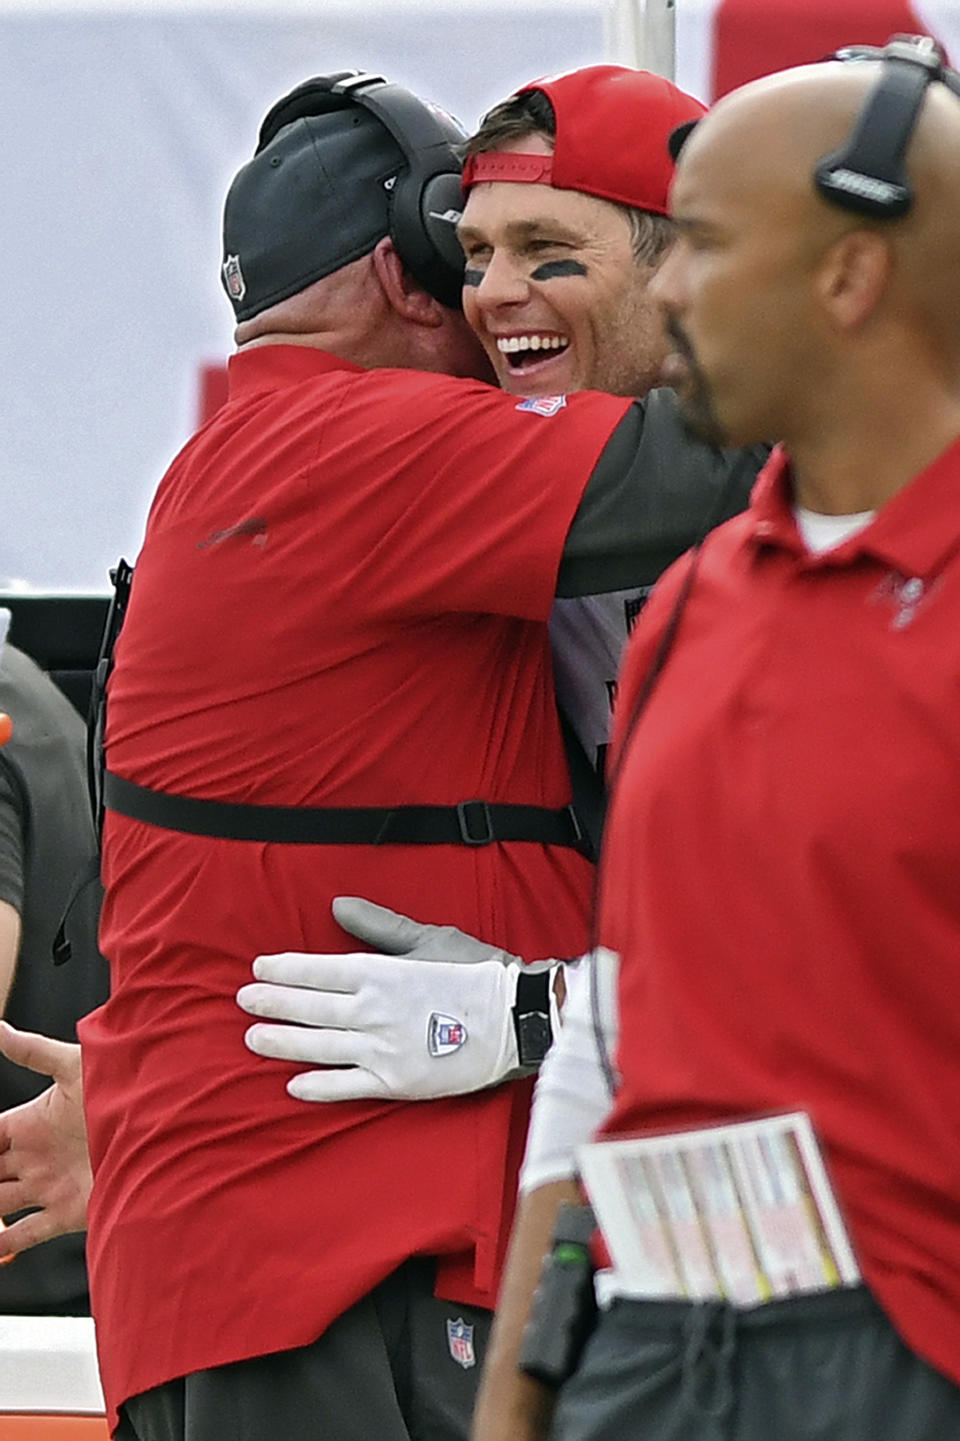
[[554, 291]]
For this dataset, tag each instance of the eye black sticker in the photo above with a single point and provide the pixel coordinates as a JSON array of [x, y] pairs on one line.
[[472, 277], [551, 269]]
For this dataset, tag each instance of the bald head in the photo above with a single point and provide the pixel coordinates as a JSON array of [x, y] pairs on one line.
[[769, 137], [794, 318]]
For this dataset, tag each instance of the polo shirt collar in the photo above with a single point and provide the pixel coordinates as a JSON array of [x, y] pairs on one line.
[[915, 533], [273, 367]]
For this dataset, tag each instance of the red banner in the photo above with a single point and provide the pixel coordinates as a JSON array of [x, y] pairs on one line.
[[755, 37]]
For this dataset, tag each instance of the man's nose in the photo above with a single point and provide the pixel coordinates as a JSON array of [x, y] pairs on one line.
[[666, 284], [504, 282]]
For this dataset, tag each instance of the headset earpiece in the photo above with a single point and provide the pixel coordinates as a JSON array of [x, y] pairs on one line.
[[868, 174], [427, 199]]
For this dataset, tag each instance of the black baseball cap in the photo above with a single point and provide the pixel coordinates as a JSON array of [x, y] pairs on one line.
[[315, 197]]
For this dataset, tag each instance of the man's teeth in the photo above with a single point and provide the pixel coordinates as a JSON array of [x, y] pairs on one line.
[[511, 344]]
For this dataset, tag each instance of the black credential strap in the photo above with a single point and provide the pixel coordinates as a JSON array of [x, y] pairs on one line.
[[470, 823]]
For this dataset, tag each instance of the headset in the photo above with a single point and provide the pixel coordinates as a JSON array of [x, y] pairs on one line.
[[867, 174], [426, 199]]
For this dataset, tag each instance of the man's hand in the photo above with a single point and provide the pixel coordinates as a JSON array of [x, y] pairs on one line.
[[388, 1026], [44, 1160], [431, 1015]]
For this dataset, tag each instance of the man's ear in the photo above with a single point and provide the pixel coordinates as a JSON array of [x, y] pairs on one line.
[[404, 294], [853, 276]]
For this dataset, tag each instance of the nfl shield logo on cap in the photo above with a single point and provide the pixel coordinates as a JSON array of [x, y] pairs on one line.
[[233, 278], [460, 1341]]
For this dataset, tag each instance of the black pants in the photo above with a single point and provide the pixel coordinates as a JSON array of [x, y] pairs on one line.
[[817, 1368], [395, 1367]]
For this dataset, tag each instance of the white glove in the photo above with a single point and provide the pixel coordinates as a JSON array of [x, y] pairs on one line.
[[408, 1027]]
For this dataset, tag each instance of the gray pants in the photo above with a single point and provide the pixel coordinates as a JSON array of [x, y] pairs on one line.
[[389, 1369], [817, 1368]]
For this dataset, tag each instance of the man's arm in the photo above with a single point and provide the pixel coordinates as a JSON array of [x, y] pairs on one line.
[[9, 949], [510, 1405], [11, 877], [44, 1160], [648, 498], [571, 1100]]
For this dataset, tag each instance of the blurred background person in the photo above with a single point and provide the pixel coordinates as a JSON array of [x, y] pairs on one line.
[[46, 838]]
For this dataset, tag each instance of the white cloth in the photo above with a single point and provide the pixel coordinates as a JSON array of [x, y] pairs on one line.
[[587, 636], [572, 1097], [821, 532]]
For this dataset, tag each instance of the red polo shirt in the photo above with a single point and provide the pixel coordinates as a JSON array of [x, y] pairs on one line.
[[341, 600], [782, 869]]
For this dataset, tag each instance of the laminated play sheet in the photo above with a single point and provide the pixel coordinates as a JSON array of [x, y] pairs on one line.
[[742, 1212]]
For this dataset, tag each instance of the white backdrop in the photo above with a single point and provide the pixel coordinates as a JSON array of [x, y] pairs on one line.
[[122, 122], [120, 131]]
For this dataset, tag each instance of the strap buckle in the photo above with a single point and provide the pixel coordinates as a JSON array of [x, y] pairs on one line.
[[580, 839], [471, 816]]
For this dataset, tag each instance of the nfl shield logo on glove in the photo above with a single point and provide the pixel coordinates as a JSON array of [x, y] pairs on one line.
[[445, 1034], [460, 1341]]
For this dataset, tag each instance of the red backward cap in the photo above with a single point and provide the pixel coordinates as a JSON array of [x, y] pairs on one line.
[[613, 128]]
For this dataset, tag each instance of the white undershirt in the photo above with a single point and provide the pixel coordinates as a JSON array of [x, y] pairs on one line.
[[821, 532]]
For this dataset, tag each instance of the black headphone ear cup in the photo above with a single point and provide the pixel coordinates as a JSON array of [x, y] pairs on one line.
[[441, 206], [426, 199], [423, 226]]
